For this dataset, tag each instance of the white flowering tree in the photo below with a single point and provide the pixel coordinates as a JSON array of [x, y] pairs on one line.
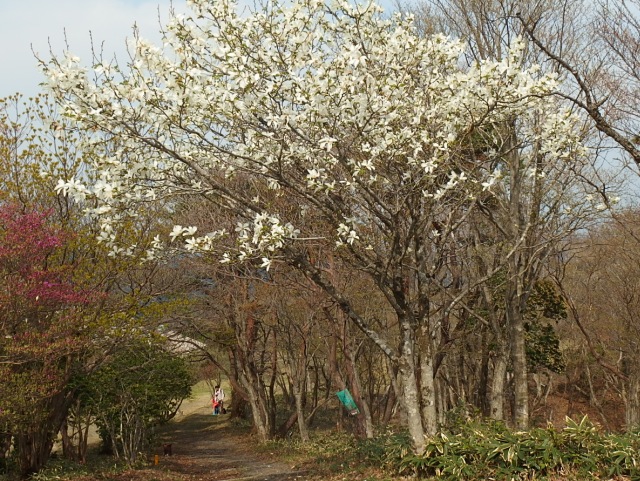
[[314, 122], [536, 207]]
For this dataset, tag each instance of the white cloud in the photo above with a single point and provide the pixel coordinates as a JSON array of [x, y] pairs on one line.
[[38, 23]]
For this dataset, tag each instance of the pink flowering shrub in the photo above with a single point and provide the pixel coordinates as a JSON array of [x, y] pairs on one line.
[[41, 331]]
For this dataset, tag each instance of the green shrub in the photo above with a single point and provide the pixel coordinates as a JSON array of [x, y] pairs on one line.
[[478, 450], [473, 449]]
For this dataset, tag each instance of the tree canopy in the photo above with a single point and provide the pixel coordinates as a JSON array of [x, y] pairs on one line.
[[324, 124]]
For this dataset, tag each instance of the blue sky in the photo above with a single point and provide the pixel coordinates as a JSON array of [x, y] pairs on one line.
[[27, 24], [36, 23]]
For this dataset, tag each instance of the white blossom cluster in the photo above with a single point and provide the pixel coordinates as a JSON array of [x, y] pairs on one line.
[[265, 234], [321, 99]]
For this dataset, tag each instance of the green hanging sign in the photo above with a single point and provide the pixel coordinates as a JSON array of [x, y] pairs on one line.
[[347, 400]]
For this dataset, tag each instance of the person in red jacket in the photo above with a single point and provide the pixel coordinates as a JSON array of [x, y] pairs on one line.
[[218, 400]]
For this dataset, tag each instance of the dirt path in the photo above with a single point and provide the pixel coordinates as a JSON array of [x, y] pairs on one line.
[[207, 448]]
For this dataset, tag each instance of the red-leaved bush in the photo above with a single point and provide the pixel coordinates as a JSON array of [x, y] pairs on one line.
[[41, 325]]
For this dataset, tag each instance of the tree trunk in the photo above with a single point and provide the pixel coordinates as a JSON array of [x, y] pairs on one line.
[[631, 393], [391, 398], [34, 444], [632, 411], [68, 450], [250, 355], [363, 423], [519, 364], [482, 395], [258, 404], [302, 425], [239, 397], [364, 419], [496, 402], [34, 449], [411, 395], [412, 407], [427, 391]]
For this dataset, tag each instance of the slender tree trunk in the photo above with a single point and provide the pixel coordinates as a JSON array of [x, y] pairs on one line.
[[239, 396], [482, 395], [411, 395], [630, 390], [255, 391], [270, 404], [315, 395], [335, 376], [428, 391], [256, 397], [302, 425], [519, 364], [412, 406], [632, 404], [83, 441], [298, 388], [365, 421], [391, 397], [595, 402], [496, 402], [68, 450], [250, 357]]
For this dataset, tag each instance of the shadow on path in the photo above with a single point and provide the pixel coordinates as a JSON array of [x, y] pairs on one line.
[[207, 448]]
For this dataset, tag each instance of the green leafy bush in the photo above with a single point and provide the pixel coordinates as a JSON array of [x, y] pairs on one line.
[[488, 450], [473, 449], [141, 386]]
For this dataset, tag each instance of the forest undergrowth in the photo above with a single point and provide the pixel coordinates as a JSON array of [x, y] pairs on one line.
[[216, 448]]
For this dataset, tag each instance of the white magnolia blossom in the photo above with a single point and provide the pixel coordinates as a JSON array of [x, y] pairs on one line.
[[265, 234], [178, 231], [346, 233], [321, 100]]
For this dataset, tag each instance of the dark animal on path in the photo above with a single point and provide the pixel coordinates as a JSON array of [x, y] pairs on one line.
[[166, 449]]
